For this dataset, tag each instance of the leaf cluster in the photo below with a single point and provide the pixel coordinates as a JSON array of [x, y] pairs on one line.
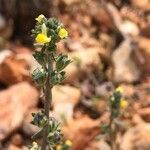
[[114, 102]]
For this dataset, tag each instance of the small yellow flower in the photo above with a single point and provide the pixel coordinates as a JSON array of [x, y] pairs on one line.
[[123, 103], [58, 147], [63, 33], [42, 38], [40, 18], [119, 89], [68, 142]]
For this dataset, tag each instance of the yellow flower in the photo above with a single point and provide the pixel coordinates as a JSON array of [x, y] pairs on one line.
[[63, 33], [40, 18], [119, 89], [42, 38], [68, 142], [123, 103], [58, 147]]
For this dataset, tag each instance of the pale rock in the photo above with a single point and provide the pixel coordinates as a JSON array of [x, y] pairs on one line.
[[83, 62], [98, 145], [15, 102], [63, 111], [4, 54], [69, 2], [125, 69], [103, 145], [64, 99], [129, 28], [65, 94], [137, 138], [87, 58], [141, 3]]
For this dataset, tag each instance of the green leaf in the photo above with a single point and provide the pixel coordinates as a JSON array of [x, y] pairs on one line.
[[40, 57], [105, 128], [57, 77], [51, 47], [39, 119], [61, 62], [54, 135], [39, 75]]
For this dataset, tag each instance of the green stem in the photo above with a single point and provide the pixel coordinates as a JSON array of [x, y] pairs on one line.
[[48, 100]]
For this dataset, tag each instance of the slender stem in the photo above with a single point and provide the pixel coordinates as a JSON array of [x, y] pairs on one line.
[[112, 134], [48, 100]]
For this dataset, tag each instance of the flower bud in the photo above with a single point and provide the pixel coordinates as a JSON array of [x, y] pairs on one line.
[[119, 89], [123, 104], [63, 33], [40, 18]]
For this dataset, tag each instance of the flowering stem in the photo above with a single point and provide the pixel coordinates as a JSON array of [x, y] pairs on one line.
[[47, 33], [48, 99]]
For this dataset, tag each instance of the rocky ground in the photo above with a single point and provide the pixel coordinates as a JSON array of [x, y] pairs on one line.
[[109, 43]]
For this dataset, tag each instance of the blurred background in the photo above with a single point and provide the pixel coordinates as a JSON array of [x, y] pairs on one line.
[[109, 43]]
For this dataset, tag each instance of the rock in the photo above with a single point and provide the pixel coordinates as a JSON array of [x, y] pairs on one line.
[[145, 113], [129, 28], [114, 13], [13, 70], [104, 89], [15, 102], [137, 138], [70, 2], [81, 131], [87, 58], [145, 31], [64, 99], [125, 69], [141, 4], [72, 73], [31, 62], [83, 62], [105, 21], [144, 52], [17, 140], [4, 54], [98, 145], [66, 94], [103, 145], [13, 147], [28, 128], [63, 111]]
